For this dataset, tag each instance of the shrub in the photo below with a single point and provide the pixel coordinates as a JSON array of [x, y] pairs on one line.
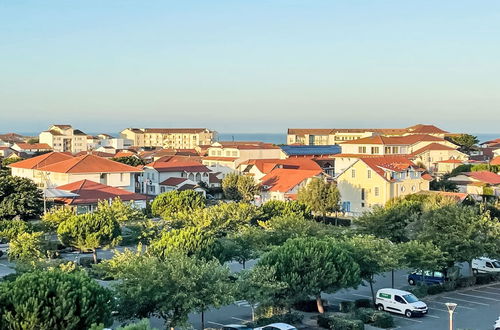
[[323, 321], [87, 261], [363, 303], [290, 318], [383, 320], [435, 289], [308, 305], [365, 314], [347, 306], [484, 279], [419, 290], [450, 286], [465, 282], [341, 323]]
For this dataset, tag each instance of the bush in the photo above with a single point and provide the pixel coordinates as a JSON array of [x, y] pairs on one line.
[[450, 286], [363, 303], [365, 314], [323, 321], [435, 289], [341, 323], [383, 320], [420, 290], [465, 282], [484, 279], [290, 318], [309, 306], [347, 306], [87, 261]]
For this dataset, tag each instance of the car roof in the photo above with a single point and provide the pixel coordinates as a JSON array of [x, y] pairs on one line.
[[280, 325], [394, 291], [236, 326]]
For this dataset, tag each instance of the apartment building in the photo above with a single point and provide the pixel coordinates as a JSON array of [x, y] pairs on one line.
[[376, 180], [171, 138], [64, 138]]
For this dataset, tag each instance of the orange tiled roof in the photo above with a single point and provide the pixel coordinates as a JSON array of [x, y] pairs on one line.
[[495, 161], [41, 161], [432, 146], [34, 146], [425, 129], [96, 153], [395, 140], [91, 192], [124, 153], [392, 163], [178, 167], [283, 180], [221, 159], [89, 164], [267, 165], [484, 176]]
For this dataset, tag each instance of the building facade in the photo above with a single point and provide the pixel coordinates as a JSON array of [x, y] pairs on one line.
[[64, 138], [169, 138]]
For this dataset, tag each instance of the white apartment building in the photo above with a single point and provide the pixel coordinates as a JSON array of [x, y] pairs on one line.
[[169, 138], [64, 138]]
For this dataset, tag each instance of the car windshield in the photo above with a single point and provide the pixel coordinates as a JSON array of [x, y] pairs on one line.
[[410, 298], [496, 264]]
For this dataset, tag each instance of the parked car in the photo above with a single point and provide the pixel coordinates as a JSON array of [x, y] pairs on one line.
[[399, 301], [485, 265], [235, 327], [277, 326], [429, 277], [496, 326]]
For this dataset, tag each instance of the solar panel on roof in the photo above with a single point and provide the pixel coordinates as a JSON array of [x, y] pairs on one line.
[[311, 150]]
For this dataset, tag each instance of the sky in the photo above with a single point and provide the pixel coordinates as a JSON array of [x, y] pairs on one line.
[[249, 65]]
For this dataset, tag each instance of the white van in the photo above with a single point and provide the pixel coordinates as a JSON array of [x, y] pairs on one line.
[[399, 301], [485, 265]]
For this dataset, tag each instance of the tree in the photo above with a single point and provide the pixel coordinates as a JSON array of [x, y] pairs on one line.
[[422, 256], [27, 247], [275, 208], [444, 184], [19, 197], [4, 169], [321, 196], [239, 187], [55, 217], [10, 229], [259, 287], [121, 211], [461, 232], [191, 241], [170, 203], [89, 232], [465, 141], [310, 266], [374, 256], [169, 288], [243, 245], [54, 300], [130, 160]]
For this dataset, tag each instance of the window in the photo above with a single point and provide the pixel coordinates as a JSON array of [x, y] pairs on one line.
[[399, 300], [353, 173], [362, 150], [377, 191], [121, 176], [363, 194], [403, 188], [387, 150], [369, 174], [489, 265], [413, 188], [374, 150]]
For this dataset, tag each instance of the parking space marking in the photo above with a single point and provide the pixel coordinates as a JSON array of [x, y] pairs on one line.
[[437, 309], [405, 318], [486, 292], [361, 295], [478, 297], [467, 301], [338, 299], [492, 287], [219, 324], [440, 303], [237, 318], [433, 316]]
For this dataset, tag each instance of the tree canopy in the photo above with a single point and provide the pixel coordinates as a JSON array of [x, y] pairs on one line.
[[168, 204], [275, 208], [239, 187], [322, 197], [130, 160], [19, 197]]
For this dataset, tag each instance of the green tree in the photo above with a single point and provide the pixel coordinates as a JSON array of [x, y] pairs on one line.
[[239, 187], [243, 245], [168, 288], [422, 256], [444, 184], [55, 217], [89, 232], [121, 211], [374, 256], [310, 266], [10, 229], [54, 300], [130, 160], [170, 203], [275, 208], [465, 141], [4, 169], [19, 197], [322, 197], [27, 247]]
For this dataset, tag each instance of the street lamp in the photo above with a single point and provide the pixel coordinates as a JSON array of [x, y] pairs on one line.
[[451, 308]]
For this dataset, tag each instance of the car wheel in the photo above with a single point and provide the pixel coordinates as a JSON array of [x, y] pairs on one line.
[[408, 313], [380, 307], [411, 281]]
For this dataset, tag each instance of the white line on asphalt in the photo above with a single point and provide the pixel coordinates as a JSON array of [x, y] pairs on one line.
[[467, 301], [478, 297], [361, 295], [437, 309], [407, 319], [491, 287], [338, 299], [237, 318], [433, 316], [221, 325], [496, 293]]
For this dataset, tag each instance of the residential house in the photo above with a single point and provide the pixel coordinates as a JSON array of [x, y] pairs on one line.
[[495, 161], [31, 148], [259, 168], [5, 151], [478, 184], [6, 140], [174, 138], [375, 180], [88, 167], [157, 177], [64, 138], [284, 184], [27, 168], [447, 166], [90, 193], [430, 155]]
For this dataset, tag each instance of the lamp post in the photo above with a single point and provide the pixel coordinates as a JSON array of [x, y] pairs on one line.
[[451, 308]]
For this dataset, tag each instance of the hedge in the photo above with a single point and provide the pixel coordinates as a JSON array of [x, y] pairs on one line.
[[290, 318], [363, 303], [347, 306], [383, 320]]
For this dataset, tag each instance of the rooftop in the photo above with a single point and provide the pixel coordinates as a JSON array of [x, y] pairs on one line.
[[89, 164], [299, 150], [41, 161], [91, 192], [283, 180]]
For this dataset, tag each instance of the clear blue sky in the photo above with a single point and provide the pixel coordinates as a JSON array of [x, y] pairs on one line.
[[249, 65]]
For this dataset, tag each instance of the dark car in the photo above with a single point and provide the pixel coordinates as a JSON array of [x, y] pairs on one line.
[[429, 277]]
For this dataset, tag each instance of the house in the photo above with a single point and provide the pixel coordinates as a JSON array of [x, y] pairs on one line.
[[90, 193], [27, 168], [258, 168], [107, 149], [175, 138], [157, 174], [447, 166], [101, 154], [373, 181], [478, 184], [5, 151], [225, 157], [31, 149], [284, 184], [430, 155], [64, 138], [88, 167], [495, 161], [8, 139]]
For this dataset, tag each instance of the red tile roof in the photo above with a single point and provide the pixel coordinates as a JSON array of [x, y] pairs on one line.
[[283, 180], [395, 140], [34, 146], [484, 176], [267, 165], [178, 158], [392, 163], [495, 161], [95, 153], [178, 167], [41, 161], [91, 192], [212, 178], [89, 164], [173, 182], [221, 159], [431, 146], [425, 129], [124, 153]]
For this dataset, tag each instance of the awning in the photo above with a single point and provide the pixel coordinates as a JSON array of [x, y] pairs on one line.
[[57, 193]]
